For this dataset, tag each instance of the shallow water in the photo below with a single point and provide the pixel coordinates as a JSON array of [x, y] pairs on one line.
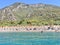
[[30, 38]]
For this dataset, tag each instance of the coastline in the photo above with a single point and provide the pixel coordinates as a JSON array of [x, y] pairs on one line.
[[30, 29], [33, 31]]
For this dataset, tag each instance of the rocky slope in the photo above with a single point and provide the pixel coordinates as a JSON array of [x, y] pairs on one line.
[[21, 11], [17, 11]]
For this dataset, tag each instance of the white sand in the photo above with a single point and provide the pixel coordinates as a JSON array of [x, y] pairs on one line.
[[28, 29]]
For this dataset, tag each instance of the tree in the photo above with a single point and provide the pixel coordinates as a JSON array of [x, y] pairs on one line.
[[29, 23], [20, 22], [12, 22]]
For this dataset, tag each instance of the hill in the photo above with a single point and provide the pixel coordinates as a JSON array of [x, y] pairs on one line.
[[25, 14]]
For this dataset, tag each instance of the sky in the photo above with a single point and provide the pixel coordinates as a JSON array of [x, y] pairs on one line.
[[4, 3]]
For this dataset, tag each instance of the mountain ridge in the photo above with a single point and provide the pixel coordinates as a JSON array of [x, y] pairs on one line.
[[36, 14], [28, 4]]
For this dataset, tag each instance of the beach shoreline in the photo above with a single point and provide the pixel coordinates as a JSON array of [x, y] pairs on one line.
[[30, 29]]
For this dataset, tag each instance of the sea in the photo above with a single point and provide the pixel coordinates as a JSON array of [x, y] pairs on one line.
[[29, 38]]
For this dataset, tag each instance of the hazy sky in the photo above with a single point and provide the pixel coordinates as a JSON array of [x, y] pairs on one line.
[[4, 3]]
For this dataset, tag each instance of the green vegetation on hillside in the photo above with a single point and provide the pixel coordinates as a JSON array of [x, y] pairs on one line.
[[29, 22], [23, 14]]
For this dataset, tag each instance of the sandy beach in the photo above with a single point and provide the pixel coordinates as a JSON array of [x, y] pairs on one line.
[[30, 29]]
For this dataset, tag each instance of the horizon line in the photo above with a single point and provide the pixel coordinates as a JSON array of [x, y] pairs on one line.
[[28, 4]]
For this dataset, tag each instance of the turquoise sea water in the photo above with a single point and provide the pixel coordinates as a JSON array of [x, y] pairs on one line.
[[30, 38]]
